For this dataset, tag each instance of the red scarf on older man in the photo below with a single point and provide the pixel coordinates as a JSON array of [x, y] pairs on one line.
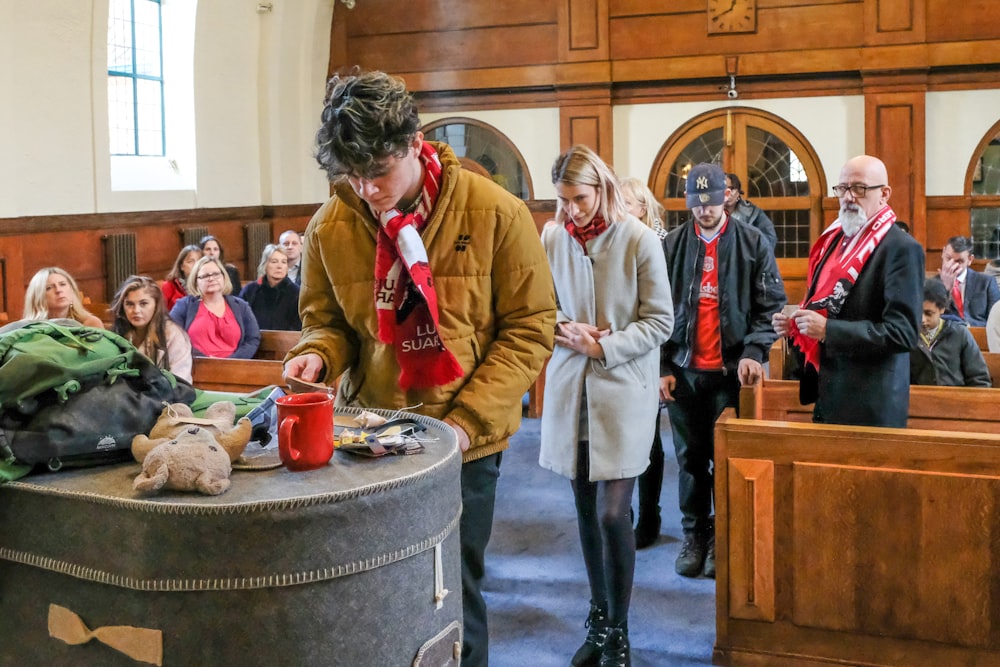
[[405, 299], [835, 262]]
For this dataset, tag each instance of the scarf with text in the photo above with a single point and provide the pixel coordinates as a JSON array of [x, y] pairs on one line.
[[595, 228], [405, 299], [835, 262]]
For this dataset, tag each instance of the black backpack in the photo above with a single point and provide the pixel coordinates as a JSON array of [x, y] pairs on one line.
[[76, 395]]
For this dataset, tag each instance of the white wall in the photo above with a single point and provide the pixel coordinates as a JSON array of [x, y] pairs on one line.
[[956, 122]]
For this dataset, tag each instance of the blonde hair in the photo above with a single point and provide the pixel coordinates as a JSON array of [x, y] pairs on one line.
[[653, 217], [265, 256], [35, 304], [192, 280], [582, 166]]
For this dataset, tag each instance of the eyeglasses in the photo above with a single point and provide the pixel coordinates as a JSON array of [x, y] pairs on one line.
[[859, 190], [210, 276]]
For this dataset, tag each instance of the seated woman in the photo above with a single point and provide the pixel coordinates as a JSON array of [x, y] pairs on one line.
[[946, 353], [218, 323], [273, 297], [52, 294], [141, 318], [210, 247], [175, 286]]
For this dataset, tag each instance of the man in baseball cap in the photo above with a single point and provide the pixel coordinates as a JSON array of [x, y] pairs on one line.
[[715, 347]]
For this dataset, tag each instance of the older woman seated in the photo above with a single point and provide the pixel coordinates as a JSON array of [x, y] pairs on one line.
[[141, 318], [273, 297], [52, 294], [218, 323]]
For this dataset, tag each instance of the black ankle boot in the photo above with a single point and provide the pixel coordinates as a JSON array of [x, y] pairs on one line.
[[647, 529], [589, 654], [617, 652]]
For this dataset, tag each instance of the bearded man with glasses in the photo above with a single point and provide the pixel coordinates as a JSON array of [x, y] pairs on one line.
[[862, 310]]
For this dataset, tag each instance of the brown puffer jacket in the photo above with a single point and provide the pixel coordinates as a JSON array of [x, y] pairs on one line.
[[495, 299]]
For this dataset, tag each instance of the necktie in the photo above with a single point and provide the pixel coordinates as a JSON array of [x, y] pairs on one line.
[[956, 294]]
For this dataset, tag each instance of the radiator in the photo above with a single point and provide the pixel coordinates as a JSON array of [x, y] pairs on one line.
[[258, 235], [192, 235], [119, 261]]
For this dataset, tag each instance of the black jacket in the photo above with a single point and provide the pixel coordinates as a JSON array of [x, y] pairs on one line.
[[750, 292], [952, 360], [274, 307], [751, 214]]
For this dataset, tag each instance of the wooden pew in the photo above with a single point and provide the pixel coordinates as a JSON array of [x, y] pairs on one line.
[[979, 333], [856, 545], [931, 407], [235, 375], [275, 344]]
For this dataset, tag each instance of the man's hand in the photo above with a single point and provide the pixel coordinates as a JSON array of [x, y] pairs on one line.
[[782, 324], [463, 437], [749, 372], [667, 385], [809, 323], [949, 271], [308, 367]]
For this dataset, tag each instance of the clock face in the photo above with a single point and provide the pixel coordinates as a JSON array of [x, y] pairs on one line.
[[729, 16]]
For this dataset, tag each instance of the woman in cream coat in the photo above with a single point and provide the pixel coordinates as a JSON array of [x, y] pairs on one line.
[[601, 388]]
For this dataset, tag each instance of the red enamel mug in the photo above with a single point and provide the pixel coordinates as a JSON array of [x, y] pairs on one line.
[[305, 430]]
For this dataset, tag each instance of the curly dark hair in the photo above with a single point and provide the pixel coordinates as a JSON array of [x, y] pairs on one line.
[[367, 117]]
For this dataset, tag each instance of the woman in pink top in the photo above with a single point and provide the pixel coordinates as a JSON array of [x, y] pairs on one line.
[[218, 323]]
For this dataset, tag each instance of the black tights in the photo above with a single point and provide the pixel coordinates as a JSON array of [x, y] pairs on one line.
[[602, 512]]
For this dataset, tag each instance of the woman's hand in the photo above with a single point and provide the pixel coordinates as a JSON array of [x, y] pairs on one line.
[[581, 338]]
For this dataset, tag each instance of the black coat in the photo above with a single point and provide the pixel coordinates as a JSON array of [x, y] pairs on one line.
[[274, 307], [864, 375]]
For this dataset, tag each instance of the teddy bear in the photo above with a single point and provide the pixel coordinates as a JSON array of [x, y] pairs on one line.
[[192, 461], [177, 418]]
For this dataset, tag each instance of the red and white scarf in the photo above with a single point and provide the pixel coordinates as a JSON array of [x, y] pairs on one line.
[[405, 299], [839, 261], [592, 230]]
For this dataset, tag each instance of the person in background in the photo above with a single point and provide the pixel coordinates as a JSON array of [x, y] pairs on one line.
[[273, 298], [725, 286], [464, 351], [747, 212], [641, 203], [210, 247], [946, 354], [973, 294], [614, 313], [861, 314], [292, 243], [175, 286], [52, 294], [218, 323], [141, 318]]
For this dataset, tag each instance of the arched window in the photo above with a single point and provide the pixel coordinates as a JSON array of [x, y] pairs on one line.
[[983, 185], [487, 147], [779, 170]]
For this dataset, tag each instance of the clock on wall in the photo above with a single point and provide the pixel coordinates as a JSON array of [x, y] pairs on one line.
[[732, 16]]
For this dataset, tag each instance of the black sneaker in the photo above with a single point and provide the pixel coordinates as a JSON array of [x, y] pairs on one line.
[[597, 626], [617, 652], [710, 558], [691, 560]]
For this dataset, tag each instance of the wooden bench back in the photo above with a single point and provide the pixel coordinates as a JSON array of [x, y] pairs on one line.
[[979, 333], [235, 375], [276, 344], [970, 409]]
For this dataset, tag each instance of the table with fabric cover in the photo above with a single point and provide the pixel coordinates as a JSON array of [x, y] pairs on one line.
[[356, 563]]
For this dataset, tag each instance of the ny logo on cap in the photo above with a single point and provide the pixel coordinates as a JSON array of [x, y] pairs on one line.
[[701, 183]]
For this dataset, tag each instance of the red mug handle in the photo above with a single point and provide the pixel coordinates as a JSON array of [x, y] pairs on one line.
[[285, 436]]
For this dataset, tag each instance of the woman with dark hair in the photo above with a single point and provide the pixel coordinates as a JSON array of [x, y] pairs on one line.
[[218, 323], [52, 294], [273, 297], [210, 247], [175, 286], [614, 311], [140, 318]]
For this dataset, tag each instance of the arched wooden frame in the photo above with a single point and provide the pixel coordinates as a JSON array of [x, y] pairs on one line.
[[734, 121], [986, 247], [977, 155], [500, 137]]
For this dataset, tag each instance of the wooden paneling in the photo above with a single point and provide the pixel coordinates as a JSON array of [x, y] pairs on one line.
[[948, 20], [750, 548], [588, 125], [895, 132], [583, 30], [380, 17]]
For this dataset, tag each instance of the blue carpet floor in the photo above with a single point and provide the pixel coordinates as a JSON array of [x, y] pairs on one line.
[[536, 586]]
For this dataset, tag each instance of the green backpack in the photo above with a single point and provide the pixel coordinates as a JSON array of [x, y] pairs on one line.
[[77, 395]]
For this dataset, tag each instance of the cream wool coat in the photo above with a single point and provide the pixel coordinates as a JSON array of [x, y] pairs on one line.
[[621, 284]]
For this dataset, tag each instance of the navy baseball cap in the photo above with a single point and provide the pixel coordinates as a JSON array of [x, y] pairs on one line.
[[706, 185]]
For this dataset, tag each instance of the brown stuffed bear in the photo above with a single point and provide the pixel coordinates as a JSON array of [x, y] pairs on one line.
[[218, 421], [193, 461]]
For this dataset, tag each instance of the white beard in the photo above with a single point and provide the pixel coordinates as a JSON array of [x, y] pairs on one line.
[[852, 221]]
